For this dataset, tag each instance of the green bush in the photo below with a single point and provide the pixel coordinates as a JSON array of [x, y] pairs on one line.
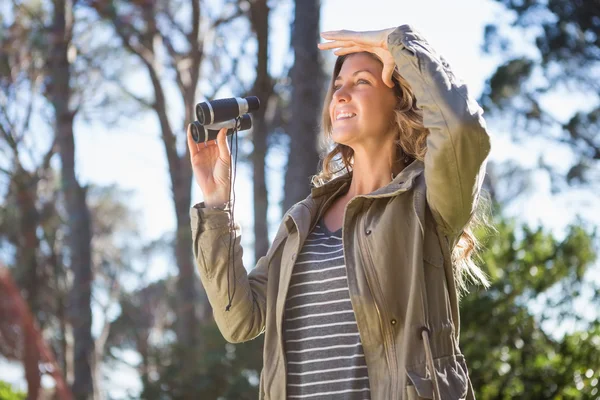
[[8, 393]]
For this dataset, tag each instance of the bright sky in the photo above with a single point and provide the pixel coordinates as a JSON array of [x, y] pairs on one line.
[[133, 156]]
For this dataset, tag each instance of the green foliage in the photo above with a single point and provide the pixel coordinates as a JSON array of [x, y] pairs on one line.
[[506, 83], [8, 393], [223, 371], [510, 354], [539, 283], [550, 48]]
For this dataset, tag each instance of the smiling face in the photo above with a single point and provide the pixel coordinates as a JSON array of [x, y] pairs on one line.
[[361, 107]]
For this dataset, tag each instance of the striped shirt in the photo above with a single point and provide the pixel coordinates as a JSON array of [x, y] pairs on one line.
[[325, 358]]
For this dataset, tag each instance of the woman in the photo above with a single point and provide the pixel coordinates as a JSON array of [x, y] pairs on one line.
[[358, 294]]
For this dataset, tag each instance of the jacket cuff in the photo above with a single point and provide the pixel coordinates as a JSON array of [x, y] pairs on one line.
[[204, 219]]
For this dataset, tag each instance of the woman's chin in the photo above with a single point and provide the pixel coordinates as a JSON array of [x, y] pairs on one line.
[[343, 136]]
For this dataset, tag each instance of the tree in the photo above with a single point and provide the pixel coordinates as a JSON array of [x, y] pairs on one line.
[[59, 92], [263, 88], [45, 83], [540, 281], [307, 81], [145, 29], [20, 74], [21, 340], [511, 349], [561, 60], [169, 41]]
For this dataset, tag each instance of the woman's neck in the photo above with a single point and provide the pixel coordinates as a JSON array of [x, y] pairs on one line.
[[373, 172]]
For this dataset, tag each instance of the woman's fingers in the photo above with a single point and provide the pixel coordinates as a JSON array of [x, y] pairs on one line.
[[341, 35], [368, 38], [347, 42], [349, 50], [224, 151], [336, 44], [192, 145], [388, 67], [386, 74]]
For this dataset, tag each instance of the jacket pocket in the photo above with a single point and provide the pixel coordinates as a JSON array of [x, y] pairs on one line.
[[432, 253], [452, 378]]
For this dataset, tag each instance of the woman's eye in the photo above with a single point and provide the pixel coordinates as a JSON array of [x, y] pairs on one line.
[[359, 81]]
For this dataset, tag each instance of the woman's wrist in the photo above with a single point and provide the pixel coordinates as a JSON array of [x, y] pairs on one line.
[[220, 205]]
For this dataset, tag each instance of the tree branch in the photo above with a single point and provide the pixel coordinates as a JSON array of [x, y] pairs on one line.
[[172, 21], [6, 131], [126, 91], [124, 31], [226, 19]]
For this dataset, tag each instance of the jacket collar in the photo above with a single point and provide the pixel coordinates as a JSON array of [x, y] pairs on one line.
[[306, 213], [403, 181], [314, 203]]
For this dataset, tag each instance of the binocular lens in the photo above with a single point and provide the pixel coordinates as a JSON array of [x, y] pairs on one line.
[[196, 129]]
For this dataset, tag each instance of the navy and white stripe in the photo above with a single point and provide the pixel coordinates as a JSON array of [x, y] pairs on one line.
[[325, 358]]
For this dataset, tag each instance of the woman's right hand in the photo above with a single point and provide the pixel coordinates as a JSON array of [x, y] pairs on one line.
[[211, 166]]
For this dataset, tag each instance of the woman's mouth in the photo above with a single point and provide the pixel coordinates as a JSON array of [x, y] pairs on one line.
[[344, 115]]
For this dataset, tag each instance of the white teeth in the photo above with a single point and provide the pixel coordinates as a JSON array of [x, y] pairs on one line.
[[344, 115]]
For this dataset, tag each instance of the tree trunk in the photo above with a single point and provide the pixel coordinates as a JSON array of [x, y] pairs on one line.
[[25, 190], [79, 310], [142, 44], [307, 78], [263, 89], [24, 187]]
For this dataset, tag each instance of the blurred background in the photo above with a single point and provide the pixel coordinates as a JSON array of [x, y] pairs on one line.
[[99, 297]]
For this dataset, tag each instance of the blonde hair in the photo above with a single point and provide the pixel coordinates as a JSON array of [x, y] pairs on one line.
[[411, 145]]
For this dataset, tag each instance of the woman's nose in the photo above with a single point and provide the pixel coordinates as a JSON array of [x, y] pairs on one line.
[[341, 95]]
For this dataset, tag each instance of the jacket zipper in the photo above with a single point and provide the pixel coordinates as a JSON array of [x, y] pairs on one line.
[[388, 336]]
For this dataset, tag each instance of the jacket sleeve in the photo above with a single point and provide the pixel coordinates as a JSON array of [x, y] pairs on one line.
[[457, 144], [211, 235]]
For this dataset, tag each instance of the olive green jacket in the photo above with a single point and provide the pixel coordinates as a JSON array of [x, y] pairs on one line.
[[397, 245]]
